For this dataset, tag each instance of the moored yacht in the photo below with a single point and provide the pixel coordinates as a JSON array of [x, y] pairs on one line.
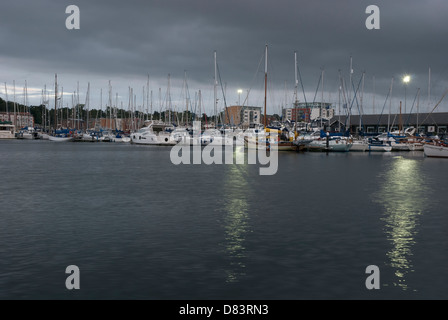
[[7, 130], [437, 150], [154, 134]]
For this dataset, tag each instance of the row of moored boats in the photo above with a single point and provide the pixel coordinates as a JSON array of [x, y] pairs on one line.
[[281, 138]]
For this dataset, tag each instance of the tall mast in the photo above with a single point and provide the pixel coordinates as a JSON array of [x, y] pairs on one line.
[[27, 107], [200, 106], [7, 110], [350, 93], [151, 105], [78, 107], [144, 97], [322, 102], [15, 106], [296, 82], [418, 111], [215, 87], [160, 105], [169, 98], [62, 104], [350, 85], [186, 97], [87, 105], [101, 106], [116, 111], [110, 106], [361, 111], [429, 88], [265, 82], [339, 104], [42, 116], [55, 101], [373, 100], [390, 104], [147, 99], [296, 85]]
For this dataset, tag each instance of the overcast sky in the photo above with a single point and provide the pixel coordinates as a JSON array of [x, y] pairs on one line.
[[124, 41]]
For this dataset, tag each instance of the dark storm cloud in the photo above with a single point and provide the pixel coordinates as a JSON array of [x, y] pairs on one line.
[[129, 39]]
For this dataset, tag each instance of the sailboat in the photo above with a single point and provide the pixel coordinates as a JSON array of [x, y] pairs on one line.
[[62, 135], [60, 138], [7, 130], [377, 145], [269, 137], [156, 133], [359, 145], [285, 137], [436, 150], [330, 143]]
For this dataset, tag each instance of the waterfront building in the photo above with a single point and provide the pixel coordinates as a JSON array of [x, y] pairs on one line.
[[435, 123], [308, 111], [242, 115], [23, 119]]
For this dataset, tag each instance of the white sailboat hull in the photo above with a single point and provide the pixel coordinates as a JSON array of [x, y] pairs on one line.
[[435, 151], [43, 136], [379, 148], [6, 135], [7, 132], [25, 135], [153, 139], [402, 147], [122, 139], [333, 146], [359, 146], [60, 139]]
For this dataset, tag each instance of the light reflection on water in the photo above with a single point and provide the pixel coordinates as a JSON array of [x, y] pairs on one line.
[[236, 219], [400, 194]]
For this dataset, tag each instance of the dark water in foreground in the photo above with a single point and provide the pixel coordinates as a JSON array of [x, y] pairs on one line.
[[139, 227]]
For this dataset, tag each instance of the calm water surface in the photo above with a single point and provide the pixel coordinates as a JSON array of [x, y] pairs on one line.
[[139, 227]]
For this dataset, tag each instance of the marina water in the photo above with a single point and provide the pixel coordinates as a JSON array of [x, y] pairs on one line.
[[139, 227]]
